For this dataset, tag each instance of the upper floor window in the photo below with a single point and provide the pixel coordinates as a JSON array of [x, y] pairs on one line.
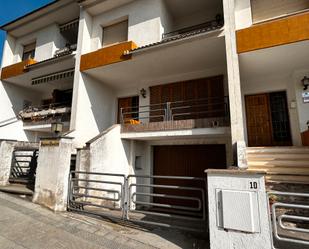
[[268, 9], [115, 33], [29, 51]]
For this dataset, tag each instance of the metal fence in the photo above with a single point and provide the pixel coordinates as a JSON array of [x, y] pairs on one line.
[[24, 163], [289, 215], [96, 192], [165, 201]]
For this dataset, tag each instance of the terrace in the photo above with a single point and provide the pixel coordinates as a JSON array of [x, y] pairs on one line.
[[176, 115]]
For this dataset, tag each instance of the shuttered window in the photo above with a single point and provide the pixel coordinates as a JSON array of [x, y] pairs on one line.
[[115, 33], [267, 9], [199, 98]]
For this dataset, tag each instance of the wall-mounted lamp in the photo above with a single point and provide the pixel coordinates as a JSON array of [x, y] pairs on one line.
[[57, 127], [305, 82], [143, 92]]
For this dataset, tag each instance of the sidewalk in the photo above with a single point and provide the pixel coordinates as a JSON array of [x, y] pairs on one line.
[[24, 224]]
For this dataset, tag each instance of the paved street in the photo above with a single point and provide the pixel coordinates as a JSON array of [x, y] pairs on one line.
[[27, 225]]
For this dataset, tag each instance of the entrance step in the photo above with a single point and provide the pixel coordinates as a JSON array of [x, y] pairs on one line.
[[283, 164], [19, 180], [16, 189]]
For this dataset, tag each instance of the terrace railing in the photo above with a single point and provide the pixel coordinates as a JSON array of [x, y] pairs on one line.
[[46, 113], [206, 108], [201, 28]]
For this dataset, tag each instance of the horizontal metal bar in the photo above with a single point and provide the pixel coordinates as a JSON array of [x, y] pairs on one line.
[[167, 206], [95, 197], [192, 113], [145, 117], [292, 217], [293, 194], [97, 189], [94, 205], [97, 181], [168, 177], [165, 186], [288, 205], [192, 106], [151, 110], [97, 173], [170, 197]]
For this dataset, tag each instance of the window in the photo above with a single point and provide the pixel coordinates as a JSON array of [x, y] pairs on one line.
[[29, 51], [115, 33], [138, 163]]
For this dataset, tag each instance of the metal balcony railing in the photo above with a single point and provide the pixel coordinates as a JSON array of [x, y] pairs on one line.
[[200, 28], [47, 113], [206, 108]]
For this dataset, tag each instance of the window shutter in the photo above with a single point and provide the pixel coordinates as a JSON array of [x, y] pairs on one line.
[[115, 33], [29, 47]]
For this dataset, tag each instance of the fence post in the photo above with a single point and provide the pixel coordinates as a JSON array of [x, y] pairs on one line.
[[51, 184], [126, 199], [168, 111]]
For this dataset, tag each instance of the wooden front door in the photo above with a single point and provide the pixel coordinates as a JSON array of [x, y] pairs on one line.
[[185, 160], [267, 119], [258, 120], [129, 107]]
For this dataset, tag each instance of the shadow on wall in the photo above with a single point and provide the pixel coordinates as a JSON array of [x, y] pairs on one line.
[[102, 103]]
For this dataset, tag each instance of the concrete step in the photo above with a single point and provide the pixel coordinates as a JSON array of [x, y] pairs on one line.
[[16, 189], [294, 179], [282, 170], [18, 180], [278, 162], [280, 150], [271, 156]]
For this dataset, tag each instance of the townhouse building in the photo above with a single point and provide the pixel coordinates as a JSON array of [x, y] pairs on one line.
[[163, 87]]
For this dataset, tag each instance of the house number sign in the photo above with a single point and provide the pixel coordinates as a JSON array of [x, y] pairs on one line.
[[253, 185]]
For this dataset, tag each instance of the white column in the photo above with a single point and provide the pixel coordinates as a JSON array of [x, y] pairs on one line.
[[236, 115], [51, 183]]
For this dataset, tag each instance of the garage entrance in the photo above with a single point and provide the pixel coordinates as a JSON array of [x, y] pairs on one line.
[[188, 161]]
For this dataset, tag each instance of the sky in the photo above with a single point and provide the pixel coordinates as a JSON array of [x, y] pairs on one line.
[[12, 9]]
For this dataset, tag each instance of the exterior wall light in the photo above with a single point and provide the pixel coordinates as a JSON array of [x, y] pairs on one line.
[[305, 82], [143, 92], [57, 127]]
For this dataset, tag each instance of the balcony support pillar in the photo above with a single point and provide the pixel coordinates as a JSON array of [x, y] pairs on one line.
[[234, 87]]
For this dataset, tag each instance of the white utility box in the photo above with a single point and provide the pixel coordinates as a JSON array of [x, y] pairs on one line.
[[239, 210]]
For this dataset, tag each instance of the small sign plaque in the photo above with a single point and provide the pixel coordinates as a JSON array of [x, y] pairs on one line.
[[54, 142]]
